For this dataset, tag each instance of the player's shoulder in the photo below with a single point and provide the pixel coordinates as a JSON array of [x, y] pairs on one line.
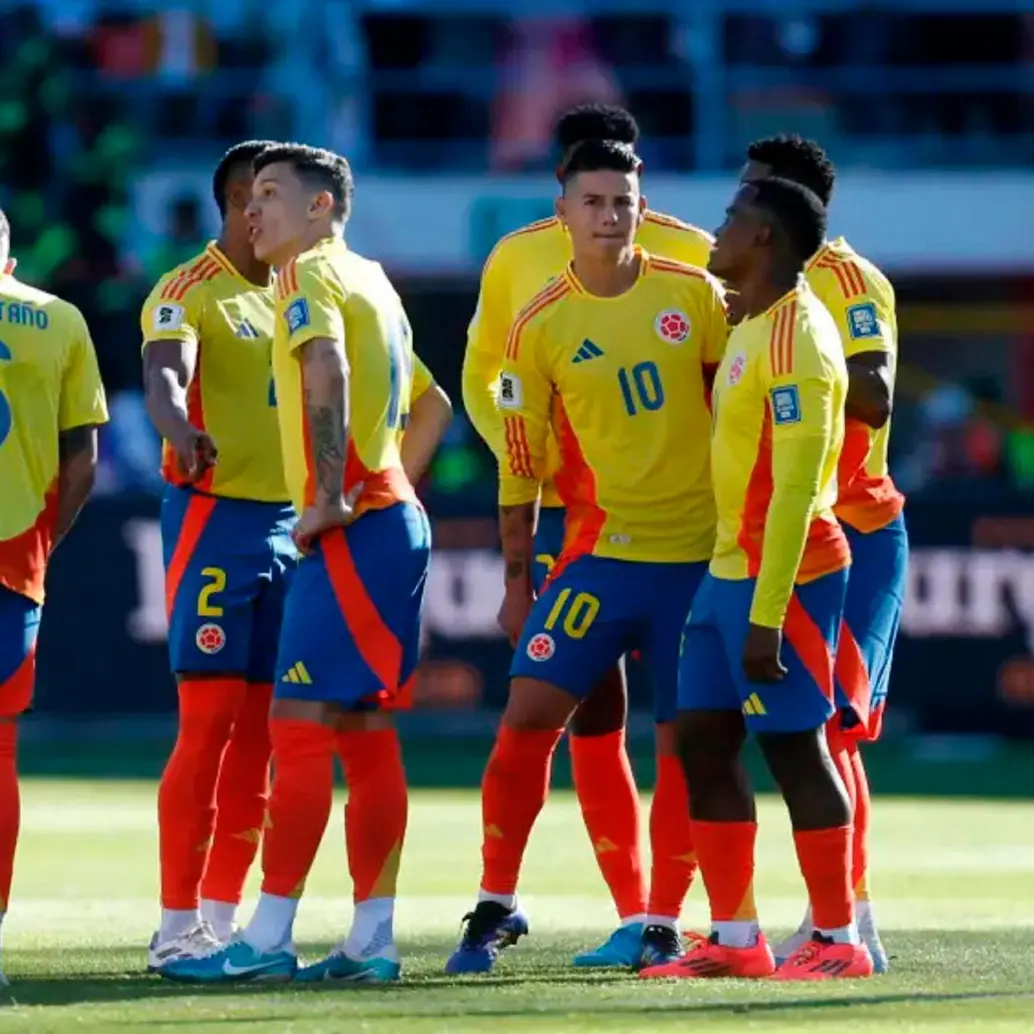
[[515, 247], [187, 280], [841, 274], [665, 233], [691, 277], [547, 301], [803, 335], [42, 309]]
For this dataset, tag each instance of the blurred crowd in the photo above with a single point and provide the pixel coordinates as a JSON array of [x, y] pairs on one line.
[[95, 92]]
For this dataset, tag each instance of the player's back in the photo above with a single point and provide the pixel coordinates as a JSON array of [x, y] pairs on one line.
[[861, 300], [783, 374], [623, 381], [330, 291], [49, 383]]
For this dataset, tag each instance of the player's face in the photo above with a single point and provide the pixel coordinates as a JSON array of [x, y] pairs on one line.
[[602, 211], [278, 213], [737, 237]]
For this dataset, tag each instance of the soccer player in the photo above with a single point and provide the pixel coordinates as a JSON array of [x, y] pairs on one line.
[[758, 647], [613, 357], [226, 536], [869, 505], [519, 266], [51, 403], [342, 361]]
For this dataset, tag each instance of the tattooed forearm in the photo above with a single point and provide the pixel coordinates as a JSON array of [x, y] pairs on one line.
[[325, 376], [517, 531]]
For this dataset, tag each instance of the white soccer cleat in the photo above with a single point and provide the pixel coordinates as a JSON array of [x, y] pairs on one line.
[[196, 943]]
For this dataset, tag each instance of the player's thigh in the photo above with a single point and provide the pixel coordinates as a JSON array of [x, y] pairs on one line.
[[670, 598], [548, 544], [705, 679], [268, 606], [215, 557], [872, 617], [804, 699], [19, 629], [579, 627], [352, 608]]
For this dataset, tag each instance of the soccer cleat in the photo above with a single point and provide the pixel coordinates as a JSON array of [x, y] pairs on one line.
[[791, 945], [236, 961], [621, 949], [871, 939], [341, 967], [824, 959], [659, 946], [197, 942], [708, 959], [490, 928]]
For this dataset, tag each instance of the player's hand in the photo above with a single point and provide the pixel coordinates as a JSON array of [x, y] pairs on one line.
[[322, 516], [761, 654], [514, 610], [196, 453]]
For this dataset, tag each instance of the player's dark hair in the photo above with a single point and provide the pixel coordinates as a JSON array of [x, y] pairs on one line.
[[791, 157], [795, 213], [234, 161], [596, 122], [598, 155], [317, 169]]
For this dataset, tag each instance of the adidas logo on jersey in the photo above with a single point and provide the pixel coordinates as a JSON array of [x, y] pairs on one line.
[[298, 674], [587, 351], [245, 329]]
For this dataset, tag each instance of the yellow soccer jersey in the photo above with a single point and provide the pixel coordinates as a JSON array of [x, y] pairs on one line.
[[518, 268], [208, 303], [861, 300], [622, 384], [331, 292], [49, 383], [778, 431]]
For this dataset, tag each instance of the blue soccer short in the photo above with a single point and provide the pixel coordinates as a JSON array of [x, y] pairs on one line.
[[711, 676], [351, 631], [549, 543], [593, 610], [872, 616], [19, 629], [227, 567]]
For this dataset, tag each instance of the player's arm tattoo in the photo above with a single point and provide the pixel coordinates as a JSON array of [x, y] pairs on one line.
[[325, 376], [77, 452], [517, 531], [869, 391]]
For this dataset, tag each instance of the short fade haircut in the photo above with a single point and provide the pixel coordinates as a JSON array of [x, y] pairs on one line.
[[797, 212], [596, 122], [598, 155], [242, 154], [317, 169], [791, 157]]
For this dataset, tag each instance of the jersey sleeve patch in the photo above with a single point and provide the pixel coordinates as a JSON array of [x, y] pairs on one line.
[[168, 316], [511, 391], [862, 321], [297, 315], [786, 405]]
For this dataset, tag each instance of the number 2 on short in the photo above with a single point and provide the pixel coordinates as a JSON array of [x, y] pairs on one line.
[[579, 615], [216, 583]]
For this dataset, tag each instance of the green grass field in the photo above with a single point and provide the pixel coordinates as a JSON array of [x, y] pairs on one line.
[[954, 883]]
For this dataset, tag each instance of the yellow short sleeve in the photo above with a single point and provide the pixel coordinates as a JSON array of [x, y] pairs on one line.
[[82, 393]]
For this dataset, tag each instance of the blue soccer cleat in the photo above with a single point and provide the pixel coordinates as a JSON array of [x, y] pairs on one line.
[[341, 968], [622, 949], [490, 928], [237, 961]]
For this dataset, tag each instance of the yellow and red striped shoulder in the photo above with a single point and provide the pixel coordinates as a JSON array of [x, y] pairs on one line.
[[848, 274], [525, 234], [286, 280], [667, 265], [672, 223], [181, 280], [780, 342], [553, 292]]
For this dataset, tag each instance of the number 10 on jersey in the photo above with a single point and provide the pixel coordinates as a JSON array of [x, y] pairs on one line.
[[641, 388]]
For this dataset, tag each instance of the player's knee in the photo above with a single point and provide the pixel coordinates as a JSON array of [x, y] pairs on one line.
[[802, 767], [709, 744], [535, 705], [605, 709]]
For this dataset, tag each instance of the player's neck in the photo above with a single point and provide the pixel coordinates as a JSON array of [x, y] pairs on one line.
[[606, 277], [760, 293], [237, 249]]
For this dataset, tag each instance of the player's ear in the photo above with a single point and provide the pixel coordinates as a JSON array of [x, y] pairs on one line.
[[238, 195], [560, 207], [322, 204], [641, 211]]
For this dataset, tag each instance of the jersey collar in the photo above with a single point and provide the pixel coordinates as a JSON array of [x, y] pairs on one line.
[[833, 247], [219, 257], [576, 285]]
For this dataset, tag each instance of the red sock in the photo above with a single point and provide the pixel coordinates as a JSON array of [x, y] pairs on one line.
[[671, 840], [513, 791], [10, 808], [862, 816], [186, 795], [609, 801], [241, 796], [375, 816], [726, 854], [824, 856], [299, 805]]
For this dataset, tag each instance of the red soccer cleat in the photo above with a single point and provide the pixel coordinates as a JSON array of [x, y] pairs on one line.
[[822, 959], [709, 959]]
